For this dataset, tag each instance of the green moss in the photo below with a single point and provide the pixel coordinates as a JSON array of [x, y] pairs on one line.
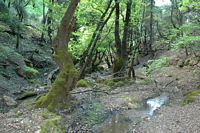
[[190, 97], [109, 82], [30, 72], [82, 83], [117, 65], [58, 96], [95, 114], [5, 35], [5, 52], [19, 113], [115, 83], [27, 94], [52, 123]]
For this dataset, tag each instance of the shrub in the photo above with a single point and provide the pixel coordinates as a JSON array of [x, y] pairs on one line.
[[82, 83], [155, 64]]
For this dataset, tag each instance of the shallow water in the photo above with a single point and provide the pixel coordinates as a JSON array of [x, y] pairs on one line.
[[121, 122], [117, 124], [156, 103]]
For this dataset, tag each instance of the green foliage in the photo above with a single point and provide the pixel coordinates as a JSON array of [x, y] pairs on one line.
[[34, 9], [187, 41], [155, 64], [195, 5], [82, 83]]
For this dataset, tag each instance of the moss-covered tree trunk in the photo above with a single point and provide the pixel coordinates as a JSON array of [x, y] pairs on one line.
[[57, 97]]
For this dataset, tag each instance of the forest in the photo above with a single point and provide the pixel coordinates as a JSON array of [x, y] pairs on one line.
[[104, 66]]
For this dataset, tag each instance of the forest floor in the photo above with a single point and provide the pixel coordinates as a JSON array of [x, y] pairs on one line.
[[118, 108]]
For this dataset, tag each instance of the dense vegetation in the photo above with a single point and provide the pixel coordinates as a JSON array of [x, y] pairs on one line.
[[88, 36], [110, 32]]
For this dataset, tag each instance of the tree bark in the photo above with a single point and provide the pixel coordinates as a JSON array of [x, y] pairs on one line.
[[117, 36], [58, 96], [125, 34], [150, 51]]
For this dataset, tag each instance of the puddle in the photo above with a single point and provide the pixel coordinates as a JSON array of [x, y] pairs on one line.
[[121, 122], [117, 124]]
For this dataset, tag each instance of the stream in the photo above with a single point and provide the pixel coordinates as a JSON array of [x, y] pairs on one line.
[[125, 121]]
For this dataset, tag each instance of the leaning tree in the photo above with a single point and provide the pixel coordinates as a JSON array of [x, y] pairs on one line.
[[57, 97]]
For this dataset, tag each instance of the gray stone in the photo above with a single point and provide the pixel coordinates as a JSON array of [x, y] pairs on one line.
[[9, 100]]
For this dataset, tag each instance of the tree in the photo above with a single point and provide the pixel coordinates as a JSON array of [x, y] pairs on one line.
[[151, 28], [88, 54], [121, 58], [58, 95]]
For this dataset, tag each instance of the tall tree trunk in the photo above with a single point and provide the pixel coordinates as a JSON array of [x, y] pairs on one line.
[[57, 97], [43, 19], [117, 36], [125, 34], [121, 46], [150, 51]]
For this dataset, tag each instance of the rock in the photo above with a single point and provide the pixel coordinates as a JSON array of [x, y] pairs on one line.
[[9, 101], [41, 61], [193, 62], [198, 64], [131, 105], [172, 61], [180, 63]]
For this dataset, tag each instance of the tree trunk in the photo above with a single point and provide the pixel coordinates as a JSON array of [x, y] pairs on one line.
[[57, 97], [125, 34], [150, 51], [117, 36], [121, 46], [93, 44]]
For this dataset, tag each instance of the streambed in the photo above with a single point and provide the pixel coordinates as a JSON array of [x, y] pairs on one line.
[[125, 121]]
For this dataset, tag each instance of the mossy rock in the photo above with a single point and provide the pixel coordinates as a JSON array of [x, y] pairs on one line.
[[26, 72], [10, 55], [52, 123], [115, 83], [190, 97], [82, 83], [30, 72], [5, 52], [109, 82], [28, 63], [27, 94]]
